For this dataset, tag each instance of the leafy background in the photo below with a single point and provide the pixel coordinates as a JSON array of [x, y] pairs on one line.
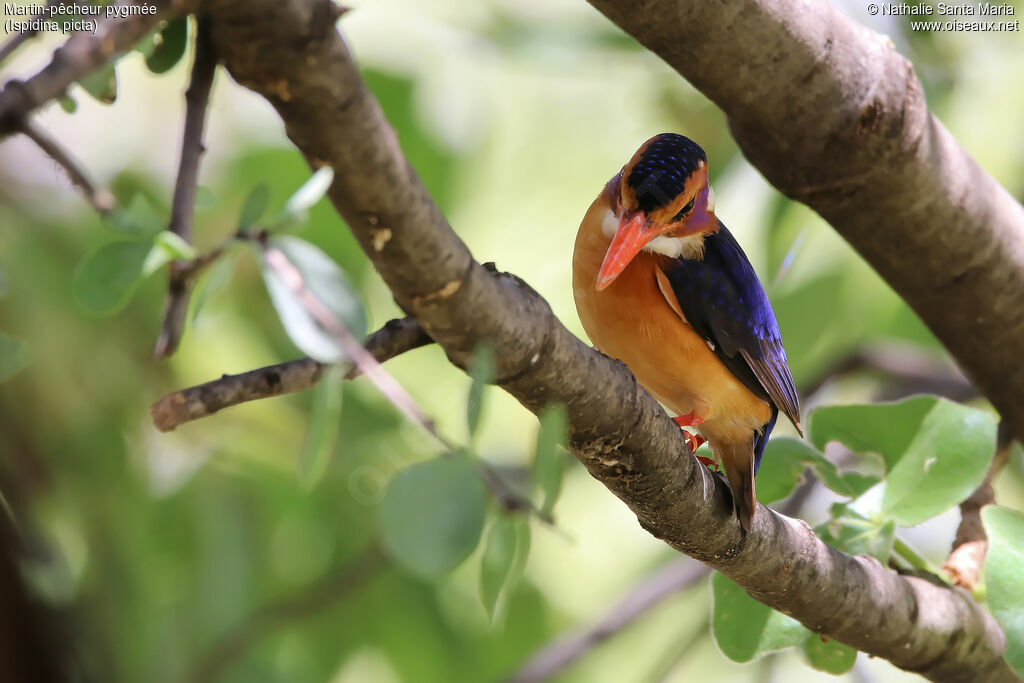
[[263, 543]]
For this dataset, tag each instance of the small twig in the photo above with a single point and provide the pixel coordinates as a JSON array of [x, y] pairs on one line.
[[670, 579], [82, 54], [366, 364], [349, 345], [971, 543], [917, 563], [100, 199], [911, 371], [681, 650], [18, 39], [393, 339], [652, 591], [197, 98], [305, 602]]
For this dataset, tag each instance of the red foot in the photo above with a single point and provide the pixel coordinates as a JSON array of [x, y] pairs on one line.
[[694, 441], [688, 420]]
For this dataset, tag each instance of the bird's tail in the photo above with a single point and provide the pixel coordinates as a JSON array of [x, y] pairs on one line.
[[738, 459]]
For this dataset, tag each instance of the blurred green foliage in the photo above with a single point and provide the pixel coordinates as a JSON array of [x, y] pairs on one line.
[[248, 546]]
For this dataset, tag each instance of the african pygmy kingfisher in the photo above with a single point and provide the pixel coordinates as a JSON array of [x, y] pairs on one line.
[[661, 284]]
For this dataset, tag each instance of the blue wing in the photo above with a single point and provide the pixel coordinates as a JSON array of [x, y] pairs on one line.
[[724, 302]]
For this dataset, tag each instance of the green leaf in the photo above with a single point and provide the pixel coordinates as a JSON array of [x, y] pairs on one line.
[[68, 104], [828, 655], [433, 514], [548, 462], [102, 84], [522, 527], [107, 278], [781, 470], [857, 536], [885, 428], [215, 281], [325, 279], [1004, 577], [169, 46], [505, 553], [296, 209], [14, 357], [745, 628], [322, 432], [786, 458], [481, 370], [205, 198], [253, 206], [167, 247], [137, 217], [936, 453], [147, 44], [310, 193]]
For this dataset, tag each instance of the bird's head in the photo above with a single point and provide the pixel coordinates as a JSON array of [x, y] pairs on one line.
[[661, 202]]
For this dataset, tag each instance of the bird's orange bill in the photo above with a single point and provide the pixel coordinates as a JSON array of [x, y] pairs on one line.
[[629, 239]]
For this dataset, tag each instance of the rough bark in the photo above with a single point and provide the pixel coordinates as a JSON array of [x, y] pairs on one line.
[[203, 400]]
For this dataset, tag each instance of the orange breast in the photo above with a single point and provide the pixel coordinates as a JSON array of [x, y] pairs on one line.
[[631, 320]]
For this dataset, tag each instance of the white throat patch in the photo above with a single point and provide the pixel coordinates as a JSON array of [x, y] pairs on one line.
[[691, 246], [610, 224]]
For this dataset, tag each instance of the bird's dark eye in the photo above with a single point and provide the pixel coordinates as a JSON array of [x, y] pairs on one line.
[[685, 210]]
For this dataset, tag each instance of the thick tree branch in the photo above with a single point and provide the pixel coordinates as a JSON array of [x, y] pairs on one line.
[[395, 338], [617, 430], [82, 54], [835, 118], [181, 277]]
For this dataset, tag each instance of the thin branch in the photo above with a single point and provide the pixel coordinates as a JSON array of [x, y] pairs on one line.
[[366, 364], [971, 543], [360, 357], [661, 585], [82, 54], [305, 602], [197, 98], [99, 198], [906, 369], [393, 339], [663, 670], [665, 582], [617, 430], [18, 39]]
